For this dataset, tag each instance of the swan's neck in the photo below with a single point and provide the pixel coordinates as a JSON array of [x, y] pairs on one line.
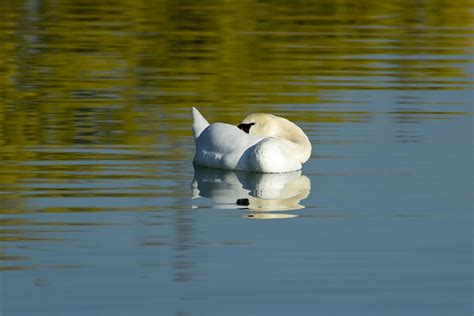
[[300, 148], [299, 145]]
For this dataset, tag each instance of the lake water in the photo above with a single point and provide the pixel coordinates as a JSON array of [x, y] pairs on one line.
[[102, 212]]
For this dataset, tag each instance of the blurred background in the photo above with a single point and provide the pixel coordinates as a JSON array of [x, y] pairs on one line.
[[96, 215]]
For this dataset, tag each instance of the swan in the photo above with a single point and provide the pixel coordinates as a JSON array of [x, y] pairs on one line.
[[260, 143]]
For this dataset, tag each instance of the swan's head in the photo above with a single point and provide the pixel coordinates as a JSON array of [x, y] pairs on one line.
[[261, 124], [269, 125]]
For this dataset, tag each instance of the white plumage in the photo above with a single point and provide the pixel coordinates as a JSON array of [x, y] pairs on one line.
[[262, 143]]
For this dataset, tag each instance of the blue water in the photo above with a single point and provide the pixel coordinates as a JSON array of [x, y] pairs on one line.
[[103, 213]]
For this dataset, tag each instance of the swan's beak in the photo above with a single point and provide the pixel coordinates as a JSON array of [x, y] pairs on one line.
[[245, 127], [243, 202]]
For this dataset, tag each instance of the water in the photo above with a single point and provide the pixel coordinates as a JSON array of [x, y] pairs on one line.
[[102, 212]]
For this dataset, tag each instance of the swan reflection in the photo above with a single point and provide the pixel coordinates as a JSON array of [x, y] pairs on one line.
[[262, 192]]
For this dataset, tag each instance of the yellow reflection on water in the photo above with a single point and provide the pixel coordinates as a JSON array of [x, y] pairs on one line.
[[88, 72]]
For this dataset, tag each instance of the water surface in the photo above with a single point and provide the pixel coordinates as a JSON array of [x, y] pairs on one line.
[[102, 212]]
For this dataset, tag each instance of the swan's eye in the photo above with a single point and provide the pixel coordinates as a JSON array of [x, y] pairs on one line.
[[245, 127]]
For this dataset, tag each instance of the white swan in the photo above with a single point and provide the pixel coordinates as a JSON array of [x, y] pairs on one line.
[[260, 143]]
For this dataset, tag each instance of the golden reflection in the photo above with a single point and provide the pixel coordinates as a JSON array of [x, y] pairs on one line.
[[86, 72], [263, 192]]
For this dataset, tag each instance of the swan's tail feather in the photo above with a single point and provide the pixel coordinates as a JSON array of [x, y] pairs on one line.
[[199, 123]]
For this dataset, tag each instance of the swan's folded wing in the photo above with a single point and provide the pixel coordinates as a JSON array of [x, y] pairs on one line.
[[222, 146], [225, 146]]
